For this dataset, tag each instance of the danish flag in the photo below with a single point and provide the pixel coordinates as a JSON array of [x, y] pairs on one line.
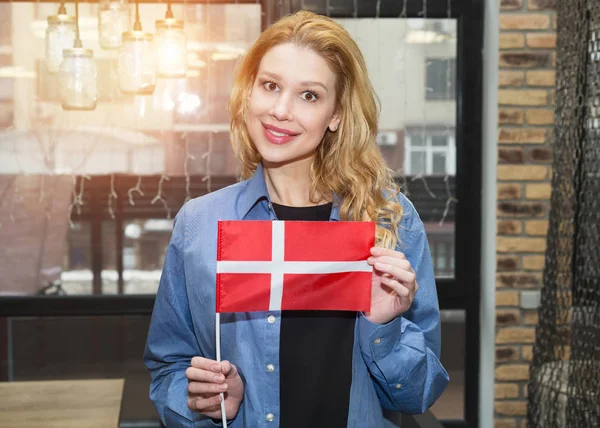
[[294, 265]]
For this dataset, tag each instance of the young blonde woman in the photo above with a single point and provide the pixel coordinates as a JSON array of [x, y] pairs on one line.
[[303, 124]]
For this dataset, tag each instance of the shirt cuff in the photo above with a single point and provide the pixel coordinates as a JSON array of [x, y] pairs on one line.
[[378, 340]]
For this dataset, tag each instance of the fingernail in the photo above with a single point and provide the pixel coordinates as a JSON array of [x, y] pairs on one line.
[[375, 251], [219, 378], [380, 265], [216, 368]]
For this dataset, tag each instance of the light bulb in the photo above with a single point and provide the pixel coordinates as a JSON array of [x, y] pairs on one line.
[[171, 48]]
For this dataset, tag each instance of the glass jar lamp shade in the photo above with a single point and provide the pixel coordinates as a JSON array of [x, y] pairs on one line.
[[60, 35], [171, 49], [137, 63], [113, 20], [77, 80]]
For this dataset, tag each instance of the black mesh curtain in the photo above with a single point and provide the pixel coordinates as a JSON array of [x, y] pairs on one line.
[[564, 386]]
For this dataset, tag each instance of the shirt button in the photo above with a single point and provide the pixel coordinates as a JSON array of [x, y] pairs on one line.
[[271, 319], [398, 385], [270, 368], [270, 417], [377, 341]]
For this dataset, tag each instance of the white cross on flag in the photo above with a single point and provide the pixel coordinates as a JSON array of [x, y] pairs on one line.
[[292, 265]]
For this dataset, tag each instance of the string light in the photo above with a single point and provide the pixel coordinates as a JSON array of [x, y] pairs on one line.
[[74, 200], [136, 189], [427, 189], [451, 199], [159, 196], [207, 177], [112, 195], [81, 191]]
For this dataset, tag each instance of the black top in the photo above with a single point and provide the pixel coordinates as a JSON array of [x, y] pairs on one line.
[[315, 354]]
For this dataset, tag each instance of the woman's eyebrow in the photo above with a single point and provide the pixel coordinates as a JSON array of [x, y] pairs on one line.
[[304, 83]]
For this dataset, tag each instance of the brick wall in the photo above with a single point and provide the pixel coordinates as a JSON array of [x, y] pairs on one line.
[[525, 132]]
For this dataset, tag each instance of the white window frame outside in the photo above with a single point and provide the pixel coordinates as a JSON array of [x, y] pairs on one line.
[[429, 149]]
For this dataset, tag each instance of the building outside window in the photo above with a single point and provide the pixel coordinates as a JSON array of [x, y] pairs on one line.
[[430, 153], [440, 83]]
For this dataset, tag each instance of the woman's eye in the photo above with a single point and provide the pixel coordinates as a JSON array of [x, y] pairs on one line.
[[270, 86], [310, 96]]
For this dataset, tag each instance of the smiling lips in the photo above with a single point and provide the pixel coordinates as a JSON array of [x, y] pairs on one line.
[[277, 135]]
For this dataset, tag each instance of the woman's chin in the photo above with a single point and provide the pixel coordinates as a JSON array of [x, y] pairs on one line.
[[269, 160], [275, 161]]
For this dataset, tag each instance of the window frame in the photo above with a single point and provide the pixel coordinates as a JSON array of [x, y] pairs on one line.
[[429, 149]]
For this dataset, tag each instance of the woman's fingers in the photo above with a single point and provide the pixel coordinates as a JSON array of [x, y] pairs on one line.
[[228, 369], [208, 382], [203, 403], [206, 364], [379, 251], [394, 261], [399, 288], [206, 388], [200, 375], [400, 274]]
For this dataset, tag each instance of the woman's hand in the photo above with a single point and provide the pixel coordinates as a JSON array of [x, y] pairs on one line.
[[207, 379], [394, 285]]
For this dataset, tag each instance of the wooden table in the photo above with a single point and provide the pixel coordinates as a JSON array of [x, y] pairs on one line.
[[61, 403]]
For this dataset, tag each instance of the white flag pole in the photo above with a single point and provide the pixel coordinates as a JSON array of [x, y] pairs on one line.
[[218, 339]]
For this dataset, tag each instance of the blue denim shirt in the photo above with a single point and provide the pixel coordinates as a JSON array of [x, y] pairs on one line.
[[395, 365]]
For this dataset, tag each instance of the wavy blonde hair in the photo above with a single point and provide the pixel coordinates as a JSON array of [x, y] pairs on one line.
[[347, 163]]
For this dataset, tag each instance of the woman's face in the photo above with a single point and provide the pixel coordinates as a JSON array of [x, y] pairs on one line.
[[291, 105]]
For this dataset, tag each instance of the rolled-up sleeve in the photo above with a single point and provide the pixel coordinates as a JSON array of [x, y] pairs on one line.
[[403, 355]]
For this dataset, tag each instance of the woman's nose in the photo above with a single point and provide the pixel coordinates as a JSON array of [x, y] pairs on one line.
[[282, 109]]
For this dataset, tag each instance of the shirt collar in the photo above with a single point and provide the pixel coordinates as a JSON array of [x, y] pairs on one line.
[[256, 190]]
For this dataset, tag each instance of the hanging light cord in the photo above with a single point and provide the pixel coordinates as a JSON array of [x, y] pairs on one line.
[[169, 14], [137, 26], [77, 43]]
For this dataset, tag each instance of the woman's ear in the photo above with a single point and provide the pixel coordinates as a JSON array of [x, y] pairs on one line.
[[335, 122]]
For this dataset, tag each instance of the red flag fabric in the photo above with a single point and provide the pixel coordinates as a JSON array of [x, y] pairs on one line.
[[294, 265]]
